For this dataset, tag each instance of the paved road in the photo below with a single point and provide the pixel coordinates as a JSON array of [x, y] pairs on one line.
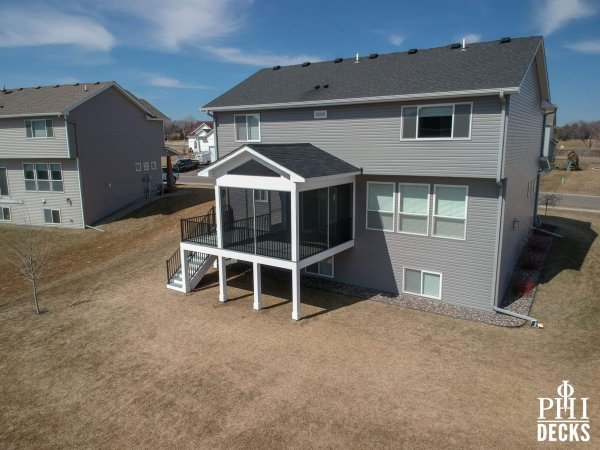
[[578, 201], [191, 177]]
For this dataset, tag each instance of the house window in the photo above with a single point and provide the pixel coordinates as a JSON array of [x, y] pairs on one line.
[[247, 127], [39, 128], [4, 214], [323, 268], [437, 122], [320, 114], [380, 206], [413, 209], [43, 177], [3, 181], [51, 216], [261, 195], [421, 282], [138, 167], [153, 165], [146, 166], [450, 211]]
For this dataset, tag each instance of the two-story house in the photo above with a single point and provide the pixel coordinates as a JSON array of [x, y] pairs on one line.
[[412, 172], [202, 141], [71, 155]]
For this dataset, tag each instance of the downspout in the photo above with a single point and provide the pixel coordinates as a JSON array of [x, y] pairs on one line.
[[500, 223]]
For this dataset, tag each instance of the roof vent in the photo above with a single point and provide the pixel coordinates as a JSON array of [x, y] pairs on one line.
[[373, 55], [305, 64], [97, 82], [38, 87], [325, 86], [276, 67], [56, 85], [76, 84], [505, 40], [20, 89], [317, 86], [455, 45], [412, 51], [338, 60]]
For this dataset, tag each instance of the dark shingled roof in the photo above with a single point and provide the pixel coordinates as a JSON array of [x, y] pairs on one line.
[[305, 160], [57, 99], [484, 65]]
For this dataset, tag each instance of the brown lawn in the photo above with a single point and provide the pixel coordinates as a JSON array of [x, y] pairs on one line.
[[586, 182], [119, 361]]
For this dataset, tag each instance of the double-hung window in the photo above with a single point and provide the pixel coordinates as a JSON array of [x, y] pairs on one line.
[[380, 206], [450, 211], [39, 128], [437, 122], [44, 177], [421, 282], [247, 127], [413, 209], [3, 181]]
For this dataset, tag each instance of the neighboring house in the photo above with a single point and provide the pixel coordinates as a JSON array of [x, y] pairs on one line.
[[202, 141], [71, 155], [414, 172]]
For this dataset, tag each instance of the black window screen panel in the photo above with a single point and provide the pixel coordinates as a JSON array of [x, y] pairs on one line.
[[340, 214], [3, 181]]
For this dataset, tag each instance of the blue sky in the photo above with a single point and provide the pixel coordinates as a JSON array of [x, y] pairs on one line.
[[181, 54]]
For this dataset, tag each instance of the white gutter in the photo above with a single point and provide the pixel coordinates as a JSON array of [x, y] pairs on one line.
[[14, 116], [360, 100]]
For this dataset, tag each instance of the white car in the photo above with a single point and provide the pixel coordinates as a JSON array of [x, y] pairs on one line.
[[164, 176]]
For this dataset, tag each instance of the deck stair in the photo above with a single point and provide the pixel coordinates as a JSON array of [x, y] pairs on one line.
[[198, 265]]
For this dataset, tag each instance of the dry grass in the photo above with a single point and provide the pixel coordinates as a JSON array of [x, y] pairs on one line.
[[119, 361], [586, 182], [575, 144]]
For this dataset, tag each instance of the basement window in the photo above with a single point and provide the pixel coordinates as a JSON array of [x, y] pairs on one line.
[[4, 214], [449, 121], [52, 216], [421, 282], [323, 268]]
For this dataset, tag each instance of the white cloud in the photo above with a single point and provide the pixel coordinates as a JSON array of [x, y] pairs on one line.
[[396, 39], [22, 28], [260, 59], [555, 14], [471, 38], [168, 82], [585, 46]]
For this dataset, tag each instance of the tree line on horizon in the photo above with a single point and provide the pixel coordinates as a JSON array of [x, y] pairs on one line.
[[177, 130], [584, 131]]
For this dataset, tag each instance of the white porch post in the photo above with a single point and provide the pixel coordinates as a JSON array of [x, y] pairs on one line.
[[256, 268], [218, 210], [294, 226], [184, 270], [296, 293], [222, 279]]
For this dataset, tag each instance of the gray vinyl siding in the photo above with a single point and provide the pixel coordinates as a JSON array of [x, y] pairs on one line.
[[112, 135], [368, 136], [377, 258], [14, 144], [523, 147], [28, 206]]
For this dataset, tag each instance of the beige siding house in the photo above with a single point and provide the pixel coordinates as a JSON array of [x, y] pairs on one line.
[[71, 155]]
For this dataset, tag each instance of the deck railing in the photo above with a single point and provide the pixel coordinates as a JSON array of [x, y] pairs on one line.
[[195, 261], [173, 265]]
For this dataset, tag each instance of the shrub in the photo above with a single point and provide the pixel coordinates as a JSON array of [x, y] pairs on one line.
[[523, 286], [530, 261]]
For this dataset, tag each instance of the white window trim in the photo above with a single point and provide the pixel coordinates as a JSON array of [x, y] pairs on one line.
[[320, 114], [393, 211], [2, 219], [45, 126], [52, 210], [153, 165], [413, 214], [308, 272], [138, 166], [7, 183], [146, 166], [260, 200], [62, 178], [422, 272], [434, 215], [246, 118], [451, 138]]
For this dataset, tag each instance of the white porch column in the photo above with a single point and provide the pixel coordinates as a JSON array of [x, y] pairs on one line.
[[256, 268], [184, 270], [296, 294], [222, 279], [294, 226], [218, 210]]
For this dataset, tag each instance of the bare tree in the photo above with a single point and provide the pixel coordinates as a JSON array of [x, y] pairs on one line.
[[549, 199], [29, 255]]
